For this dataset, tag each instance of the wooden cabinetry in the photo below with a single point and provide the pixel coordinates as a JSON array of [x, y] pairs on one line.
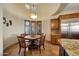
[[55, 39], [55, 31], [55, 24]]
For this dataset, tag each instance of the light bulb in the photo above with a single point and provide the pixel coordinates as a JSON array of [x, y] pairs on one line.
[[33, 16]]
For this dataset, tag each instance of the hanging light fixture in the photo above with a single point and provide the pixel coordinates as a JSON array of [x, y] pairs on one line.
[[32, 8], [33, 14]]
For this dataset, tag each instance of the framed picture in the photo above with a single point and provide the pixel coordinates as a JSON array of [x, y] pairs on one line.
[[10, 22], [7, 24], [4, 20]]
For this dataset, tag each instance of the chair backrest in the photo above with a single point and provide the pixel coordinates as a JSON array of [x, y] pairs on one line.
[[24, 34], [42, 40], [21, 41]]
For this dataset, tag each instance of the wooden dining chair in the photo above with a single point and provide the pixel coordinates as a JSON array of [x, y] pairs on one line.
[[22, 44], [40, 42], [24, 34]]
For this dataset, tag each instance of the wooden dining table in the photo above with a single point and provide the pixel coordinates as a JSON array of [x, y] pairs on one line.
[[32, 39]]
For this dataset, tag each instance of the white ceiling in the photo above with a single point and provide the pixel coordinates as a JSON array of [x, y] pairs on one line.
[[72, 6], [44, 10]]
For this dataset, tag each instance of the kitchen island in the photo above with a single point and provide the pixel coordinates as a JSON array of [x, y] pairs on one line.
[[69, 47]]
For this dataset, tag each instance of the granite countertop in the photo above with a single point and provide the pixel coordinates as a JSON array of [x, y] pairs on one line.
[[71, 46]]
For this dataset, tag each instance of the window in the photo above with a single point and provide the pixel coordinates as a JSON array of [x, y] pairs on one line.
[[33, 27], [27, 27]]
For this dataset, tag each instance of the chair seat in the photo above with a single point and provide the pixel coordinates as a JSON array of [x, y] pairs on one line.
[[37, 42], [28, 43], [27, 40]]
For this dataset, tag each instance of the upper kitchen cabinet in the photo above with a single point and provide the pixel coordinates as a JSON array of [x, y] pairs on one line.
[[55, 24]]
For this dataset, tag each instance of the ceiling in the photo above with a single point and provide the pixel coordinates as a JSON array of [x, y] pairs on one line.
[[72, 6], [44, 10]]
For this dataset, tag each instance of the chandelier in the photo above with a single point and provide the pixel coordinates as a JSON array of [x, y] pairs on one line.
[[32, 7]]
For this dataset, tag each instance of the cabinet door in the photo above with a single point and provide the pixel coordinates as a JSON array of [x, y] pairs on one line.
[[54, 39], [55, 30], [55, 24]]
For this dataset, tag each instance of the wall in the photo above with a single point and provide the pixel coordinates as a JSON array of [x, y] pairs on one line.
[[1, 30], [10, 33], [46, 28]]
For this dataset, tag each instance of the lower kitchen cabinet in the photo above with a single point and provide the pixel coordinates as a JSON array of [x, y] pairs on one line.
[[62, 51]]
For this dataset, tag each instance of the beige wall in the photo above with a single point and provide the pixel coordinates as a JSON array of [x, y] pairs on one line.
[[1, 34], [46, 28], [10, 33]]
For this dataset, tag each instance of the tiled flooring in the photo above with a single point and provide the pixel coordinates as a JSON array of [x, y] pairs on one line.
[[50, 50]]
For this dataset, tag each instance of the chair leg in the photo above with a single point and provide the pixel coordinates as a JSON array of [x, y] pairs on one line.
[[40, 49], [19, 50], [24, 51], [43, 47]]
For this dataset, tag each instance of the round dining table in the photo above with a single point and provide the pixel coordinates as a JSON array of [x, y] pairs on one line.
[[32, 39]]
